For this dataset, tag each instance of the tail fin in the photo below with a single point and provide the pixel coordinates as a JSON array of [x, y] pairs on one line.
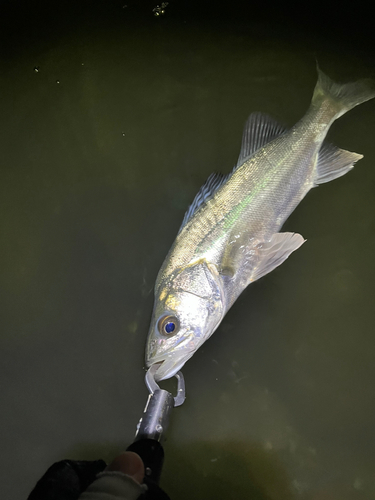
[[345, 96]]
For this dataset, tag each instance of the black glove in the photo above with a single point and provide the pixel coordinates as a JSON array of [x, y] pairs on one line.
[[68, 479]]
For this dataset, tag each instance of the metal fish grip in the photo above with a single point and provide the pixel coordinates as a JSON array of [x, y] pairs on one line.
[[152, 426], [152, 386]]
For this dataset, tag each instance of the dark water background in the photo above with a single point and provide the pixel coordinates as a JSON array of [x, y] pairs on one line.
[[110, 120]]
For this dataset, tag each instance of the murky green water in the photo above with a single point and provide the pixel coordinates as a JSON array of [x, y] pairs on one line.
[[96, 173]]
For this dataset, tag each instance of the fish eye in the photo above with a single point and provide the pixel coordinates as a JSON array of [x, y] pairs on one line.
[[168, 325]]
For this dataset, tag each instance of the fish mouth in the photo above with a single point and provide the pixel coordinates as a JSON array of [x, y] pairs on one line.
[[172, 360], [169, 366]]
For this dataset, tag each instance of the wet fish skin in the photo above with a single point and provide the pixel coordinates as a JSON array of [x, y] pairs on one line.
[[232, 237]]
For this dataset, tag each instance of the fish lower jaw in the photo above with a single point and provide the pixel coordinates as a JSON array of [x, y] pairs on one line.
[[164, 374], [168, 367]]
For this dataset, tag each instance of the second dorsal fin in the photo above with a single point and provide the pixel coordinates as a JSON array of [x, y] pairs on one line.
[[259, 130]]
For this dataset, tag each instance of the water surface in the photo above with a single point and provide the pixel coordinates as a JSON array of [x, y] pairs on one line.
[[111, 120]]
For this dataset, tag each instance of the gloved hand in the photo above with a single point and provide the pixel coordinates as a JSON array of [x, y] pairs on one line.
[[93, 480], [121, 479]]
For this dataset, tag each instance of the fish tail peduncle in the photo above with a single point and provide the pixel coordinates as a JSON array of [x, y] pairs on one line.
[[342, 96]]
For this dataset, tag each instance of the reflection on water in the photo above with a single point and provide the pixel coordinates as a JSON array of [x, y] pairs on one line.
[[96, 175]]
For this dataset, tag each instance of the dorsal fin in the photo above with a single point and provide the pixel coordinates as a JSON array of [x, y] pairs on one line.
[[212, 184], [259, 130]]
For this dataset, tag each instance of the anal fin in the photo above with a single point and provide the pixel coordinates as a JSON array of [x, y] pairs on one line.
[[334, 162]]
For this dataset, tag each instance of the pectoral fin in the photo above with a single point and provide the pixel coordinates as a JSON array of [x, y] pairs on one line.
[[274, 252]]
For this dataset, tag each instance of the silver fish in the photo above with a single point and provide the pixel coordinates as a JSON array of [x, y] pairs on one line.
[[230, 234]]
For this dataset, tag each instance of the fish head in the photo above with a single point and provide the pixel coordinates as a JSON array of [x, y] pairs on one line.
[[187, 310]]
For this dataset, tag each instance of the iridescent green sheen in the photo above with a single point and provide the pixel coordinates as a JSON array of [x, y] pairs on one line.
[[232, 236]]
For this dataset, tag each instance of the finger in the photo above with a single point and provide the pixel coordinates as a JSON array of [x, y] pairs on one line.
[[129, 463]]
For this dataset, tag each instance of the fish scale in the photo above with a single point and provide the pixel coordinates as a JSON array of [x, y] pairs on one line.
[[230, 234]]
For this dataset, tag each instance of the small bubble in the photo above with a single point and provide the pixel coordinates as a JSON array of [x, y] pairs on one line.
[[132, 327], [299, 486], [268, 445], [123, 134], [159, 428], [82, 64], [36, 69], [148, 471], [57, 81], [292, 446], [358, 484]]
